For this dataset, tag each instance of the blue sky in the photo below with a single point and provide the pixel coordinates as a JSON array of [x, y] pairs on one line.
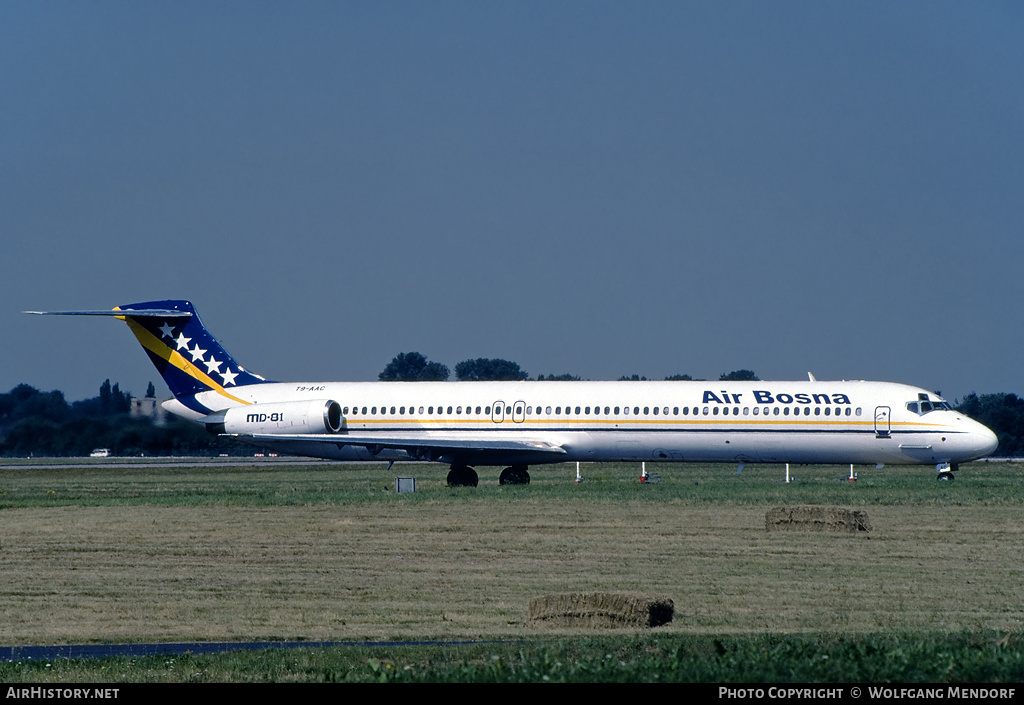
[[601, 188]]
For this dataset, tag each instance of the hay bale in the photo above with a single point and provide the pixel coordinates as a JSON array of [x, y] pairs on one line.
[[816, 518], [601, 609]]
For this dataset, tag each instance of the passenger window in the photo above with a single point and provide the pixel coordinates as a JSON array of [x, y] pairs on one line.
[[655, 411]]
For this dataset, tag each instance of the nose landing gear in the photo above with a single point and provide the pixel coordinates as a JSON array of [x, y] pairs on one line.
[[945, 472]]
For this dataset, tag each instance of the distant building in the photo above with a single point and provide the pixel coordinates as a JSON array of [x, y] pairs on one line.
[[148, 408]]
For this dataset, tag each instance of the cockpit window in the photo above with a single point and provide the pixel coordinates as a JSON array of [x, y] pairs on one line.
[[923, 407]]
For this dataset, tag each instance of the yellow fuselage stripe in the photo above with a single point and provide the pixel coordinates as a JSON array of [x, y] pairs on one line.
[[641, 422]]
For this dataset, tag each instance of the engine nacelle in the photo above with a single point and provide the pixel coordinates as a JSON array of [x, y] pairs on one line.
[[317, 416]]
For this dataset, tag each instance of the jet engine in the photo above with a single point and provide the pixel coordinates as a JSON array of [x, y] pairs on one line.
[[317, 416]]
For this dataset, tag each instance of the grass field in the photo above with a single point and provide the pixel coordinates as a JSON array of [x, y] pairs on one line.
[[329, 552]]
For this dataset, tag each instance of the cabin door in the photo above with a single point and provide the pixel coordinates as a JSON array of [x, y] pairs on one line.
[[882, 425]]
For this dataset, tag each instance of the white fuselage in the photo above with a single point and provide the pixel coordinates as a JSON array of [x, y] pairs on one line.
[[749, 422]]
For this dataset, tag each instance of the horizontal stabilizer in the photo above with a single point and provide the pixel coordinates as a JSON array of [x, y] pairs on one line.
[[135, 312]]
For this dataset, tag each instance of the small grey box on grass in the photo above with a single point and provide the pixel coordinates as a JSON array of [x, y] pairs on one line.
[[405, 484]]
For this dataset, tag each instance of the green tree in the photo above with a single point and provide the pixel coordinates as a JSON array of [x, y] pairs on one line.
[[679, 378], [488, 369], [739, 376], [25, 401], [413, 367], [559, 378], [111, 400], [632, 378]]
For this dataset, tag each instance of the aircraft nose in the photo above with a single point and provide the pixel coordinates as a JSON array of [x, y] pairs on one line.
[[985, 441]]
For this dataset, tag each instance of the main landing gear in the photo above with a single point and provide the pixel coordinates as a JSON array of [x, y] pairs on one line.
[[462, 476], [515, 475], [465, 476], [945, 472]]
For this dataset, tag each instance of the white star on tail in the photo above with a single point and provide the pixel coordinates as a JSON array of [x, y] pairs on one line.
[[197, 354], [229, 376], [212, 365], [167, 330], [183, 341]]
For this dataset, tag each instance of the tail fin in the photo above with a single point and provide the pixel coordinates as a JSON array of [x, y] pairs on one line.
[[183, 351]]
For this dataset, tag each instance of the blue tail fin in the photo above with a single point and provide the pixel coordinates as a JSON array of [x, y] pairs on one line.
[[186, 355], [184, 352]]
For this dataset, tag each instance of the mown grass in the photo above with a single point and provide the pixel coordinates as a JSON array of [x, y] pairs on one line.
[[323, 552]]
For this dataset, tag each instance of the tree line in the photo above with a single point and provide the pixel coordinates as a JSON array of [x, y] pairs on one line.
[[415, 367], [35, 423]]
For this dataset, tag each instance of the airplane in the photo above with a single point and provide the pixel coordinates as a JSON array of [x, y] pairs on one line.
[[523, 423]]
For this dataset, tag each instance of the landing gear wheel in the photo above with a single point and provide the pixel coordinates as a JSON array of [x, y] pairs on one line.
[[515, 475], [462, 476], [945, 477]]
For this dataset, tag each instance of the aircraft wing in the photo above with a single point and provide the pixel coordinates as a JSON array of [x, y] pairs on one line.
[[420, 446]]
